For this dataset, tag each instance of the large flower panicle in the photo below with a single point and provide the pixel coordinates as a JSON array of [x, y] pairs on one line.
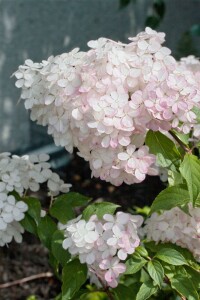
[[103, 244], [19, 174], [105, 100], [177, 227]]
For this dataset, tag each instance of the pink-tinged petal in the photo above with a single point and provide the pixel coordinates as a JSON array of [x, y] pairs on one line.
[[149, 103], [123, 156], [114, 173], [91, 237], [119, 269], [108, 217], [140, 176], [131, 163], [105, 264], [97, 163], [142, 45], [76, 114], [113, 284], [112, 241], [108, 226], [105, 142], [127, 121], [122, 218], [124, 140], [90, 225], [90, 259], [110, 276], [114, 143], [117, 231], [122, 254], [143, 167]]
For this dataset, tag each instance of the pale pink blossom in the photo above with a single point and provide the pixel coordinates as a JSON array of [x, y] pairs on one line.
[[103, 244], [100, 100]]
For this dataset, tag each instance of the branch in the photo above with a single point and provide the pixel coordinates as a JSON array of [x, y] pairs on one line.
[[26, 279], [182, 145]]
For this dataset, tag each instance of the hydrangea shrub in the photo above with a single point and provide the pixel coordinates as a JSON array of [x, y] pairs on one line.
[[131, 110]]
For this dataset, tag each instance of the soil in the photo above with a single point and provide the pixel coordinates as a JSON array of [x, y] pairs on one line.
[[18, 261]]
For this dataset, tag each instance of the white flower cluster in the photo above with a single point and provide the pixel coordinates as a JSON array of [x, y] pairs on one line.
[[103, 244], [177, 227], [105, 100], [192, 64], [11, 212], [20, 174]]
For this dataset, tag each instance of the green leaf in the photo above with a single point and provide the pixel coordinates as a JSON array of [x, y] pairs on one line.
[[73, 277], [125, 292], [61, 210], [153, 247], [174, 178], [94, 296], [156, 272], [145, 210], [190, 170], [194, 276], [55, 265], [34, 208], [58, 297], [171, 256], [62, 207], [182, 136], [29, 224], [170, 197], [165, 150], [134, 264], [184, 286], [99, 209], [60, 254], [75, 199], [141, 251], [146, 290], [196, 110], [46, 229]]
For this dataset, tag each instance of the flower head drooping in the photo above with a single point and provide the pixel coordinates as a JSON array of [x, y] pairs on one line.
[[105, 100], [19, 174], [177, 227], [103, 244]]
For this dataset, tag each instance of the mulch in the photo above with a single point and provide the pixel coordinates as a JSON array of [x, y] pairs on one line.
[[30, 258]]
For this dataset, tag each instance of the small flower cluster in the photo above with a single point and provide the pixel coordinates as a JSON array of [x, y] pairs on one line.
[[105, 100], [19, 174], [103, 244], [11, 212], [177, 227]]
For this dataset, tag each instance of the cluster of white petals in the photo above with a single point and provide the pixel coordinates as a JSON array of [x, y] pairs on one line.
[[104, 101], [192, 64], [19, 174], [177, 227], [103, 244]]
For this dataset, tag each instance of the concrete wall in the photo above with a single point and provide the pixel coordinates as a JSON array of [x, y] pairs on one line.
[[37, 29]]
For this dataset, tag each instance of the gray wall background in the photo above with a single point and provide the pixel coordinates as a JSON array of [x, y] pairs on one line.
[[37, 29]]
